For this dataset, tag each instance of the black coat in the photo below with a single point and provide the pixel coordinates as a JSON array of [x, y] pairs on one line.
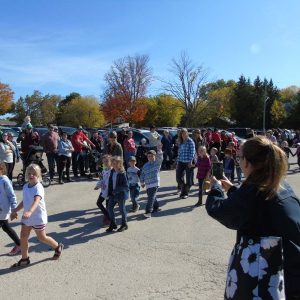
[[247, 211]]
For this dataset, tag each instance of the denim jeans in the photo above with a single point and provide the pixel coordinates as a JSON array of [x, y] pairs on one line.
[[152, 202], [111, 204], [101, 206], [52, 160], [238, 173], [134, 194], [78, 162], [181, 169], [200, 182]]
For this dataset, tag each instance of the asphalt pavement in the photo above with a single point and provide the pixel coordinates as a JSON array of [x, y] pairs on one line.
[[180, 253]]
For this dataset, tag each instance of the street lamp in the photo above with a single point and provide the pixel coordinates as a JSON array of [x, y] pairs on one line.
[[264, 115]]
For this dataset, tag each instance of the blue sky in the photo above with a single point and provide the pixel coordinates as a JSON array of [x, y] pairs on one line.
[[63, 46]]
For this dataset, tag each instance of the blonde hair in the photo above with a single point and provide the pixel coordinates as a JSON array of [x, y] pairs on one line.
[[269, 164], [119, 159], [3, 167], [202, 148], [36, 169]]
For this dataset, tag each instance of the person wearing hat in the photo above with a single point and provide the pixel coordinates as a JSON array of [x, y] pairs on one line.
[[80, 142], [28, 138], [151, 180], [133, 175], [50, 144]]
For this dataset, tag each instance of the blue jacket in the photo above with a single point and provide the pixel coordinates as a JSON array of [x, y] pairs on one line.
[[247, 211], [8, 200], [122, 188]]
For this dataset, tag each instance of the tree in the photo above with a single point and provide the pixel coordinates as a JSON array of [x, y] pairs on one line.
[[186, 87], [217, 102], [293, 119], [19, 111], [85, 111], [278, 113], [163, 110], [243, 102], [6, 98], [126, 86], [49, 108]]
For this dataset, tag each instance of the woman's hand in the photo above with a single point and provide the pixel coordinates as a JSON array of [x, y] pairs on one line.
[[26, 215], [226, 184]]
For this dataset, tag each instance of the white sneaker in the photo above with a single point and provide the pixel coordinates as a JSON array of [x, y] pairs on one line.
[[147, 215]]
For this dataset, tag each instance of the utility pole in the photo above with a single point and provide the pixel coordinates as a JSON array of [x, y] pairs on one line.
[[265, 104]]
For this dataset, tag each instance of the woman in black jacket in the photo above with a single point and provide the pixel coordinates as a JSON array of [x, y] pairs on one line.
[[263, 205]]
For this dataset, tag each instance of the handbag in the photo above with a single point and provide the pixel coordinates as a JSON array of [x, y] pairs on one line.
[[255, 268]]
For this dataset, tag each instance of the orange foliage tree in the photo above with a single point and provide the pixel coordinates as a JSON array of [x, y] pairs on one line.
[[122, 107], [126, 85], [6, 98]]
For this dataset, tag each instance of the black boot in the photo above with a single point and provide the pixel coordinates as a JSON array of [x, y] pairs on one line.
[[68, 176], [185, 191], [111, 227], [199, 203], [123, 227]]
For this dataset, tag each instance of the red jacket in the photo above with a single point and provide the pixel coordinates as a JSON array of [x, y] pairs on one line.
[[79, 137], [216, 137]]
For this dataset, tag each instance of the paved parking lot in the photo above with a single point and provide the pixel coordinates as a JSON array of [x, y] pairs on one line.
[[180, 253]]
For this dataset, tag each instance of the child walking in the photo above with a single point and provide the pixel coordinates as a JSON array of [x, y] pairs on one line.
[[118, 193], [150, 178], [228, 164], [133, 174], [34, 215], [8, 202], [103, 184], [204, 166]]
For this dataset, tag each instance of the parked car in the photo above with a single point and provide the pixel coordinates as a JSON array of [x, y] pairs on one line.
[[241, 132], [14, 133], [172, 131], [69, 130], [40, 130], [138, 134]]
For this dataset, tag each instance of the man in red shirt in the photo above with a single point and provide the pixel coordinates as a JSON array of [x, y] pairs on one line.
[[216, 139], [80, 142]]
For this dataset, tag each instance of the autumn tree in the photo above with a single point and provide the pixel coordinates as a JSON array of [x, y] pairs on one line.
[[6, 98], [216, 104], [186, 86], [127, 82], [278, 113], [85, 111], [163, 110]]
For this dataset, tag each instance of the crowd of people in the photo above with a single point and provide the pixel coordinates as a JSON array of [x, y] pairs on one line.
[[218, 159]]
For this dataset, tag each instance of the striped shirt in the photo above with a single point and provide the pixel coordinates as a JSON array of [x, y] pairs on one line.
[[186, 151]]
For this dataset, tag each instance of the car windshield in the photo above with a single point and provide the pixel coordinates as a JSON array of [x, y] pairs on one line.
[[13, 132]]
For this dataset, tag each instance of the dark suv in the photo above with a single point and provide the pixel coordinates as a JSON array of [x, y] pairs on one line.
[[241, 132]]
